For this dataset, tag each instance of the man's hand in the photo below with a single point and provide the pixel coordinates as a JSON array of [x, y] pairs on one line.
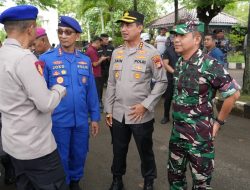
[[137, 112], [94, 128], [103, 58], [109, 120], [216, 128]]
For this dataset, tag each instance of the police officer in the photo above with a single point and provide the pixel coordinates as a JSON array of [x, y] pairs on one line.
[[197, 78], [130, 101], [69, 67], [26, 105]]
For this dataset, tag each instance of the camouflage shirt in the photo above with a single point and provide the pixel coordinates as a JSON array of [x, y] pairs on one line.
[[196, 82]]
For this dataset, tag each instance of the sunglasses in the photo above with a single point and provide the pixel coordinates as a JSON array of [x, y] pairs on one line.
[[66, 32]]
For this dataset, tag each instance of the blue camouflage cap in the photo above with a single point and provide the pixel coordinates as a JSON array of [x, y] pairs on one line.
[[188, 26], [66, 21], [20, 12]]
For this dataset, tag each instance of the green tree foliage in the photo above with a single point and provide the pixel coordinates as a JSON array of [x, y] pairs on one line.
[[111, 10], [238, 10], [207, 9], [2, 35], [40, 3]]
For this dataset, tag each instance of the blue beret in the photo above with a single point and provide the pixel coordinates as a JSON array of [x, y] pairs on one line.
[[20, 12], [66, 21]]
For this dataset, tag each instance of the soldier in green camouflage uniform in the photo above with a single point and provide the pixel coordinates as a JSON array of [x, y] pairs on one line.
[[196, 79]]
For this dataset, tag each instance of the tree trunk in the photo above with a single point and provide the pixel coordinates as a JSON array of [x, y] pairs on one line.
[[112, 21], [135, 5], [206, 14], [246, 76], [176, 9], [88, 29], [102, 20]]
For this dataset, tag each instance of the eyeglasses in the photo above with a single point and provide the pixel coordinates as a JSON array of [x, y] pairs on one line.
[[66, 32]]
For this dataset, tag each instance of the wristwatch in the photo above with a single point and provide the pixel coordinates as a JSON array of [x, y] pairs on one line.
[[221, 122]]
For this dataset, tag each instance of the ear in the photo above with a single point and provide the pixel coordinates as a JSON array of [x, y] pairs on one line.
[[140, 27], [30, 29], [197, 39]]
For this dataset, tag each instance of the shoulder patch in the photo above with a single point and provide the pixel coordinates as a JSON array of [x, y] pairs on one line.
[[40, 67], [157, 61]]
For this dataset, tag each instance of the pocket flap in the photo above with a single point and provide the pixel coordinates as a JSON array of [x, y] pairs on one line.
[[139, 67], [83, 72], [117, 67]]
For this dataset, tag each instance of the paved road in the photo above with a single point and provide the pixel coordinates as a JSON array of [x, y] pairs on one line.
[[232, 158]]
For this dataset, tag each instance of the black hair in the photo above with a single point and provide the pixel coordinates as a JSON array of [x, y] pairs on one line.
[[104, 35], [96, 38], [216, 31], [21, 25], [213, 36]]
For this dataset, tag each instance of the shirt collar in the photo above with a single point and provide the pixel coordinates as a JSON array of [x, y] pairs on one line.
[[195, 58], [12, 41]]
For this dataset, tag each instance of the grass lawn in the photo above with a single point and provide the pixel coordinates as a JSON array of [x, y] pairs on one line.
[[237, 57], [244, 98]]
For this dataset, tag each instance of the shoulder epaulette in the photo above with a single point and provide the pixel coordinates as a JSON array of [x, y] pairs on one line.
[[120, 46], [149, 45]]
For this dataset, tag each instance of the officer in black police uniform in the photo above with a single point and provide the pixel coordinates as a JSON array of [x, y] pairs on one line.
[[105, 50]]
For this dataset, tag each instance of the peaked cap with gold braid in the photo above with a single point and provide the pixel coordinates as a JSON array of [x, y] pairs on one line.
[[131, 16]]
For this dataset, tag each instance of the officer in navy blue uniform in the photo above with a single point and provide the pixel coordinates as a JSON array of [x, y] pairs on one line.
[[69, 67]]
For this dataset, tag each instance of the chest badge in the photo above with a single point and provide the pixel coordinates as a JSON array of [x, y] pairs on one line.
[[137, 75], [64, 72], [59, 80], [56, 73], [84, 80], [117, 74]]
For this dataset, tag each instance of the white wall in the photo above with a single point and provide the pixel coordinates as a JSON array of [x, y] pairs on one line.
[[48, 19]]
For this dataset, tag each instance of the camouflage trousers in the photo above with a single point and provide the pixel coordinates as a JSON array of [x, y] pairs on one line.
[[199, 155]]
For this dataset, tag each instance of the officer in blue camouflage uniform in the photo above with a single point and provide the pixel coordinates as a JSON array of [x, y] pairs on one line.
[[223, 44], [197, 78], [69, 67]]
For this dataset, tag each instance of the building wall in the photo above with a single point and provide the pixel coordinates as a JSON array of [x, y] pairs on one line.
[[48, 19]]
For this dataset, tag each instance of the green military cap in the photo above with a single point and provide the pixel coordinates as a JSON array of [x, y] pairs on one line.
[[188, 26], [131, 16]]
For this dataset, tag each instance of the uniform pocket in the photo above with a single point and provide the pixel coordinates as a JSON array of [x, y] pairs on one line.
[[138, 72], [83, 77], [117, 70]]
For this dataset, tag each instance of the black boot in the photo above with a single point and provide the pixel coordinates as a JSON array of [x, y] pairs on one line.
[[74, 185], [117, 184], [164, 120], [148, 185]]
